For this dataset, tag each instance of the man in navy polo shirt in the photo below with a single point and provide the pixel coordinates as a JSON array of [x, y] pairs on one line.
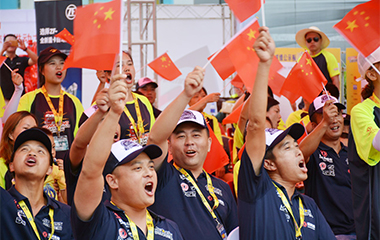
[[132, 180], [329, 181], [202, 205], [33, 214], [271, 165]]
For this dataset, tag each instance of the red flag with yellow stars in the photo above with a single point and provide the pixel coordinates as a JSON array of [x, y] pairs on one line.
[[243, 9], [217, 156], [165, 67], [361, 27], [97, 36], [237, 82], [305, 79], [2, 60], [66, 35]]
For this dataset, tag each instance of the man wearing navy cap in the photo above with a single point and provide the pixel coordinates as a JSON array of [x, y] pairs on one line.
[[26, 211], [131, 178], [272, 164], [329, 181], [202, 205], [147, 87]]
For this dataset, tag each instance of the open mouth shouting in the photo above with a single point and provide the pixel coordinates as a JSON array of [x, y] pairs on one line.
[[59, 74], [30, 161], [149, 189], [129, 78], [302, 166]]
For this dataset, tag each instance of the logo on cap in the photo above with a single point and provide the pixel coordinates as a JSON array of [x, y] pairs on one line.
[[271, 131], [127, 144], [324, 98], [187, 115]]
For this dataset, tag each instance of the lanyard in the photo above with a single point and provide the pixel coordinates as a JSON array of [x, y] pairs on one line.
[[220, 227], [31, 219], [149, 224], [58, 116], [285, 201], [375, 99], [139, 127]]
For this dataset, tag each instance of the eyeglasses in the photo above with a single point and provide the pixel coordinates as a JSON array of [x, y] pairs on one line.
[[316, 39]]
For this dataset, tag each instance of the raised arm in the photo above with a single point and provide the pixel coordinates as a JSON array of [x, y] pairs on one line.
[[15, 99], [201, 104], [86, 131], [311, 142], [255, 144], [90, 185], [32, 55], [167, 121]]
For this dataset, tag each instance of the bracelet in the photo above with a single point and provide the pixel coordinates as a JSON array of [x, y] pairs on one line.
[[25, 49]]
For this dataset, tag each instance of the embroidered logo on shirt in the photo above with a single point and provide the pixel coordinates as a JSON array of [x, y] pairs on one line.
[[164, 233], [122, 233], [20, 215], [309, 225], [322, 165], [325, 159]]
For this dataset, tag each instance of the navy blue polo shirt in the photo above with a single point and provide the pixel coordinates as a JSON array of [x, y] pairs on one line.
[[5, 75], [109, 222], [329, 184], [15, 225], [262, 215], [178, 200]]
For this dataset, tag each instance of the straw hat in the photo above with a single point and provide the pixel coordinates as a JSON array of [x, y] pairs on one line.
[[300, 37]]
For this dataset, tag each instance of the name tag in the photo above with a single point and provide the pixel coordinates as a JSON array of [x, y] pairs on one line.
[[61, 143]]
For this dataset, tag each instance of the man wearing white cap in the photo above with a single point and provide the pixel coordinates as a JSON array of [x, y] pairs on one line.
[[130, 175], [202, 205], [316, 41], [327, 164], [269, 205]]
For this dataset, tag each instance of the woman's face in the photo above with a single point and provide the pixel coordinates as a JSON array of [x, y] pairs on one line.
[[24, 124], [127, 68], [52, 70], [274, 115]]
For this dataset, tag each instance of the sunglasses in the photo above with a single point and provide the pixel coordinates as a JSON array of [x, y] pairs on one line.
[[316, 39]]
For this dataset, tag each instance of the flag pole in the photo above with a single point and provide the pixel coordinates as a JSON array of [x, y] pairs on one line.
[[121, 37], [263, 12], [225, 87], [10, 69], [375, 68], [324, 89]]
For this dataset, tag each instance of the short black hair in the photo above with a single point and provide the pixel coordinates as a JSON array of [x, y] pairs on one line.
[[269, 154], [9, 35]]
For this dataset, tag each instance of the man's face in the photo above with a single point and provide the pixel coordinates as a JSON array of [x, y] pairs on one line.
[[149, 91], [13, 47], [189, 145], [335, 129], [137, 177], [314, 46], [198, 96], [31, 160], [289, 161]]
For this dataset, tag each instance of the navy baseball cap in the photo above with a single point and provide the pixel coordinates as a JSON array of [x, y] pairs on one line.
[[275, 136], [317, 105], [33, 134], [125, 150]]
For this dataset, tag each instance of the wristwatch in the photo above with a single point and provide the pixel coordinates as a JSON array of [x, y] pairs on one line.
[[25, 49]]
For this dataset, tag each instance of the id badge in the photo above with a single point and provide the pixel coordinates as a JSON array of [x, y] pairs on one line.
[[221, 230], [61, 143]]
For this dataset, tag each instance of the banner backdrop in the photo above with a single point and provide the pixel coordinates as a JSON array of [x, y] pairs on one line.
[[353, 87], [51, 18]]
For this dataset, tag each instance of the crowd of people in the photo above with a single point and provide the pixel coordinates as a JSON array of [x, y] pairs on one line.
[[124, 169]]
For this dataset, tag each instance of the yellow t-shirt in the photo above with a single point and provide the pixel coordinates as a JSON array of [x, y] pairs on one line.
[[364, 129], [295, 117], [3, 171], [58, 175]]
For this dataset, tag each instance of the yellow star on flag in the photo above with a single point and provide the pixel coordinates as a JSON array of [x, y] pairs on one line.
[[109, 14], [251, 34], [163, 59], [351, 25], [308, 61]]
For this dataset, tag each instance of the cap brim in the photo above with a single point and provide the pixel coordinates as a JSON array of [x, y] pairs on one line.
[[295, 131], [153, 151]]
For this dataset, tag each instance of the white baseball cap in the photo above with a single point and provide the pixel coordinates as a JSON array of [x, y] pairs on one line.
[[274, 136]]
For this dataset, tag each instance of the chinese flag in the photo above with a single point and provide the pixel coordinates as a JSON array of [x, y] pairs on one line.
[[243, 9], [237, 82], [275, 82], [66, 35], [97, 36], [165, 67], [305, 79], [234, 116], [2, 60], [222, 64], [217, 157], [361, 27]]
